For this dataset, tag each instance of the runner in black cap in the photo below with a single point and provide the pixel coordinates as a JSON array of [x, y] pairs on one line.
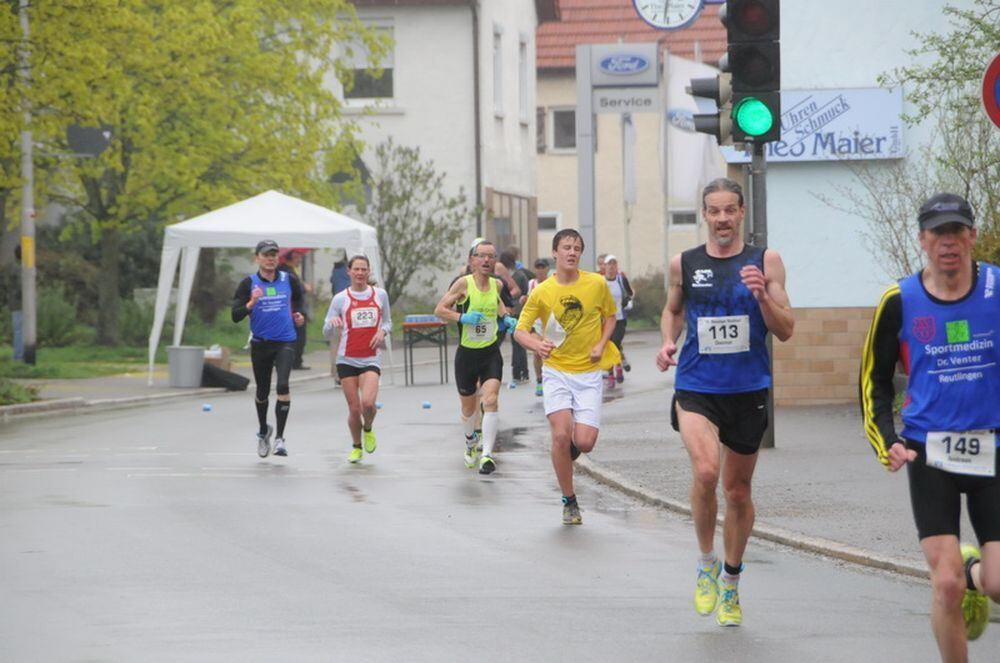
[[943, 325], [273, 300]]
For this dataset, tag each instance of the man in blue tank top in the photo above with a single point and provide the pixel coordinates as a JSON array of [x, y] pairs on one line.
[[728, 295], [943, 325], [273, 300]]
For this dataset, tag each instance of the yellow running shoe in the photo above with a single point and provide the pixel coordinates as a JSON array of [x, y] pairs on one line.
[[706, 591], [369, 439], [975, 604], [472, 450], [355, 456], [730, 613]]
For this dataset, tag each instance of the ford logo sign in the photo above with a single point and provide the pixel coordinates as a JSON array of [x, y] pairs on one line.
[[623, 64], [681, 118]]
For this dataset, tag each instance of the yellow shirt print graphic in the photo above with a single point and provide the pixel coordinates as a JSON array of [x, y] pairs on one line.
[[573, 317]]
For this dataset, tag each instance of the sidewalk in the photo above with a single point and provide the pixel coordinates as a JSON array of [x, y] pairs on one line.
[[129, 389], [820, 489]]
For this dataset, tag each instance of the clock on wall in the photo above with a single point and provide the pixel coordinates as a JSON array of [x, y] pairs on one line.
[[668, 14]]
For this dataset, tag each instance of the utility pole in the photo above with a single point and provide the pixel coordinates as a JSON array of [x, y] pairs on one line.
[[28, 269], [758, 202]]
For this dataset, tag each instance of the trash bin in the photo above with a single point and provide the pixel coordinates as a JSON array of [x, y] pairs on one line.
[[185, 364]]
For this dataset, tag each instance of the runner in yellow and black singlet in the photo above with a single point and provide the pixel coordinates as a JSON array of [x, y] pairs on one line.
[[474, 302]]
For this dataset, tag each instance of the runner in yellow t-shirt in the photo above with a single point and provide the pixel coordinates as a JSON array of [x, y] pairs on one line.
[[578, 316]]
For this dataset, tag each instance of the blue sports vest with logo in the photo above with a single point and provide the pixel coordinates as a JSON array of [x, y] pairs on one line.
[[724, 351], [271, 317], [952, 353]]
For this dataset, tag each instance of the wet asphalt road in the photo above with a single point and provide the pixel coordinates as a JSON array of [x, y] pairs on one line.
[[157, 534]]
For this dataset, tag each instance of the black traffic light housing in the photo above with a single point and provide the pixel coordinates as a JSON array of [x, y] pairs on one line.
[[753, 56], [720, 123]]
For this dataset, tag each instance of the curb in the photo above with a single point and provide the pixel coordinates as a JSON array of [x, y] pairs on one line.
[[41, 407], [788, 538]]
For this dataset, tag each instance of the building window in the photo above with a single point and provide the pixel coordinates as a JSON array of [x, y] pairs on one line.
[[683, 218], [498, 71], [563, 132], [372, 80], [522, 80], [510, 220], [548, 221]]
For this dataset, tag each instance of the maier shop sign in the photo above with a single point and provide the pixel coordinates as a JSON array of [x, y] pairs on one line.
[[835, 125]]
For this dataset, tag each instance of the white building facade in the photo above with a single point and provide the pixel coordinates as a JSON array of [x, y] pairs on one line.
[[459, 84]]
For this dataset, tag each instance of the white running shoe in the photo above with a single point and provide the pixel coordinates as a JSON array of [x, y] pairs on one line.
[[264, 442]]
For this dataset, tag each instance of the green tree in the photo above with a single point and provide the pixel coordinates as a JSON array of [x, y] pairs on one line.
[[948, 89], [209, 101], [418, 225]]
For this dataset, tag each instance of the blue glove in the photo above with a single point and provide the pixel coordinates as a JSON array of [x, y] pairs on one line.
[[511, 322], [472, 318]]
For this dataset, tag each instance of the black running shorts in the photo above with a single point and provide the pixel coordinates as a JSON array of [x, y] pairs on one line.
[[741, 418], [474, 366], [936, 497], [348, 371]]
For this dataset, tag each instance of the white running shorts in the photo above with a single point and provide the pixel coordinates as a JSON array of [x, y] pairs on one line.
[[579, 392]]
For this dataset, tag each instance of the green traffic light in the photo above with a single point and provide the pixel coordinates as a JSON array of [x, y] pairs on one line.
[[753, 117]]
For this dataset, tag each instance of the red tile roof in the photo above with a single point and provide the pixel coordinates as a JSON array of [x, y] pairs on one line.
[[607, 21], [547, 10]]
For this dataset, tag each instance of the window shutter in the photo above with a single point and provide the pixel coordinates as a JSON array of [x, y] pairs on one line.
[[540, 129]]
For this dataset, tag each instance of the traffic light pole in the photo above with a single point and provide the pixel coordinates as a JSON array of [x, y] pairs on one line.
[[758, 207]]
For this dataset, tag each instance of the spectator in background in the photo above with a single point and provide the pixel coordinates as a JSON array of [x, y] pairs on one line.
[[541, 273], [293, 263], [340, 277], [601, 263], [518, 355], [622, 293]]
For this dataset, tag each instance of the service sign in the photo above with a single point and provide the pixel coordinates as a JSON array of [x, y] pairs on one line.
[[624, 65], [626, 99], [835, 125]]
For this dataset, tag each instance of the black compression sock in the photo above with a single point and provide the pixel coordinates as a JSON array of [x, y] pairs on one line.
[[262, 415], [732, 570], [567, 501], [281, 411]]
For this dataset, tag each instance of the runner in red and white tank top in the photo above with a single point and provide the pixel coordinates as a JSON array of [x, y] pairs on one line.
[[362, 321], [361, 313]]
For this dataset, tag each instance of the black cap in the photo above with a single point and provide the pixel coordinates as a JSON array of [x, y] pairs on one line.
[[266, 246], [945, 208]]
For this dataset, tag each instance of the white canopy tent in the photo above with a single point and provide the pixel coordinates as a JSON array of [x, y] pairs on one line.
[[271, 215]]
